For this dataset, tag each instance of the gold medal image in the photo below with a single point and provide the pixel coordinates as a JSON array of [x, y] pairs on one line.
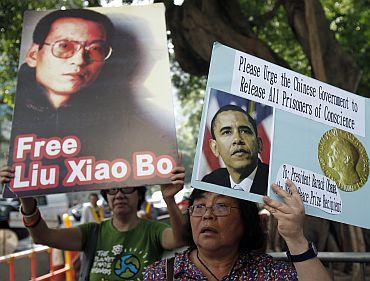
[[343, 159]]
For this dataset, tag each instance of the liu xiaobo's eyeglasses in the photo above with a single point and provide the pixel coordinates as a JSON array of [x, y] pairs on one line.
[[219, 210], [97, 51]]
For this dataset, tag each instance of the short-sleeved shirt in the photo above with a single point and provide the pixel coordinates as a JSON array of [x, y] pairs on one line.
[[249, 266], [124, 255], [92, 214]]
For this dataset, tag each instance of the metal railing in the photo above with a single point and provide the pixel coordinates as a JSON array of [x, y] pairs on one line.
[[67, 270], [31, 254], [328, 257], [334, 257]]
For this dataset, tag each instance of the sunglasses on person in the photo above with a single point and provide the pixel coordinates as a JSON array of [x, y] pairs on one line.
[[218, 209], [97, 51], [124, 190]]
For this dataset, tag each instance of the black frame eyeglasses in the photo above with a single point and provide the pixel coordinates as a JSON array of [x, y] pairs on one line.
[[96, 51], [124, 190], [218, 209]]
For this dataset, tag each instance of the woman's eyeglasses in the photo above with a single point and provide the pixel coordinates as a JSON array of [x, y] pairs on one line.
[[124, 190], [219, 210]]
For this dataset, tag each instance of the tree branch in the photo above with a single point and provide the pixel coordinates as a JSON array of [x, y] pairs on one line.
[[197, 24], [270, 14]]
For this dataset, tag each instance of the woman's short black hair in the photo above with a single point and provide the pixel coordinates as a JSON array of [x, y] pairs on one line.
[[43, 26], [254, 238], [141, 190]]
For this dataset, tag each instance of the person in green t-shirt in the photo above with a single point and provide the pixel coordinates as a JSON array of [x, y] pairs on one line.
[[125, 244], [125, 254]]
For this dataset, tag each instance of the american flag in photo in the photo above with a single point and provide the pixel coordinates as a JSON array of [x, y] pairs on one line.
[[260, 112]]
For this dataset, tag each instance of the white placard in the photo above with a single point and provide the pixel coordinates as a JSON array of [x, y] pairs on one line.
[[315, 190], [267, 83]]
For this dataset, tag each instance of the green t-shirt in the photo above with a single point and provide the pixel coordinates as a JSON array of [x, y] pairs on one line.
[[124, 255]]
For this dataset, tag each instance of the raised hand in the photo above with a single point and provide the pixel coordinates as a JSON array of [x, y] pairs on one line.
[[289, 213], [6, 174], [169, 190]]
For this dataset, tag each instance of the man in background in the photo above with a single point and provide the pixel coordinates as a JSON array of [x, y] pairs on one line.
[[92, 212]]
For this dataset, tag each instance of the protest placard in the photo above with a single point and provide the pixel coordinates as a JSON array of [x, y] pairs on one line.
[[93, 106], [305, 130]]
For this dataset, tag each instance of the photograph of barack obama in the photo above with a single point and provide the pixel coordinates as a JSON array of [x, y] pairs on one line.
[[235, 139]]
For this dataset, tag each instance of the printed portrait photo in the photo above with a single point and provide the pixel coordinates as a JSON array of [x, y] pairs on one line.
[[98, 78], [237, 136]]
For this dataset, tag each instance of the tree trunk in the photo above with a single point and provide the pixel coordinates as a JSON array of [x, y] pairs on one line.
[[196, 25], [329, 62]]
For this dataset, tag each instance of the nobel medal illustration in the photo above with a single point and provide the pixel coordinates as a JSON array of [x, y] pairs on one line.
[[343, 159]]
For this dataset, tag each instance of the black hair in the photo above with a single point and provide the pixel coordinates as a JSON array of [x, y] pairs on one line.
[[43, 26], [253, 239], [141, 190], [231, 107], [94, 194]]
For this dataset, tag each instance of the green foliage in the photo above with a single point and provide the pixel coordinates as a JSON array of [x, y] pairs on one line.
[[276, 32], [190, 92], [350, 20]]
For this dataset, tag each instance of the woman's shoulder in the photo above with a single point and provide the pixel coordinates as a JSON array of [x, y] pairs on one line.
[[178, 258], [263, 258], [157, 270], [273, 267], [257, 256], [152, 225]]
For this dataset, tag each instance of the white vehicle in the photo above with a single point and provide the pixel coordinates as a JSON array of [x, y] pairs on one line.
[[52, 208]]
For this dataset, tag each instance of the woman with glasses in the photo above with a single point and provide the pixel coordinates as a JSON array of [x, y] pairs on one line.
[[227, 242], [119, 248]]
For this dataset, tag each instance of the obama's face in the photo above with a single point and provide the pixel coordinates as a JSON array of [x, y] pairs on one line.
[[235, 141], [71, 57]]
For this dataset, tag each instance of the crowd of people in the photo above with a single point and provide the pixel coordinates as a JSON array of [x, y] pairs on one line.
[[223, 234]]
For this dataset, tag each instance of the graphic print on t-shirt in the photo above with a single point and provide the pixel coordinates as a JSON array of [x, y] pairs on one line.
[[125, 264]]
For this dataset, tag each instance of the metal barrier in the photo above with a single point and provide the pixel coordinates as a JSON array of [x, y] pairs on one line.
[[31, 254], [333, 257], [329, 257]]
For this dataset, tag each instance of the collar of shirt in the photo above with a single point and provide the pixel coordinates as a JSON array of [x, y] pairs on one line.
[[245, 184], [249, 266], [185, 269]]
